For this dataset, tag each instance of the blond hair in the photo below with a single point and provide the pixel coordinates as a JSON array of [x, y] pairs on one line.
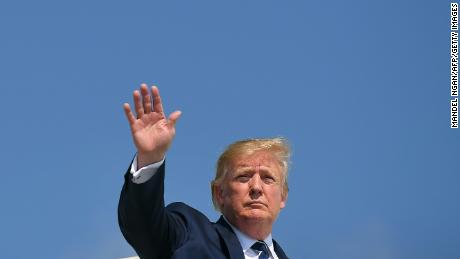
[[279, 147]]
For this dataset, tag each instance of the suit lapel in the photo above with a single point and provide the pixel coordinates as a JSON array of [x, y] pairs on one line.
[[234, 249], [228, 237], [279, 252]]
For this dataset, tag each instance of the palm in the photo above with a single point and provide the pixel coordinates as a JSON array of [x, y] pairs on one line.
[[152, 132]]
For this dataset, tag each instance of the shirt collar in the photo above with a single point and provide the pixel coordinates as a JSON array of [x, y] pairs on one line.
[[246, 241]]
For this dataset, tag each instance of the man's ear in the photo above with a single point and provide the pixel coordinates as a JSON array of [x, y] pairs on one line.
[[218, 193], [284, 197]]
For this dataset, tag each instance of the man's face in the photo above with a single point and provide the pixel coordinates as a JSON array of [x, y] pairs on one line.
[[252, 189]]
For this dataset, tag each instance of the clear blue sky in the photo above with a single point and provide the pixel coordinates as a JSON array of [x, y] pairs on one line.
[[360, 88]]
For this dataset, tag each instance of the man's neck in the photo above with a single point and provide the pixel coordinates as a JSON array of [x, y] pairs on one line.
[[251, 230]]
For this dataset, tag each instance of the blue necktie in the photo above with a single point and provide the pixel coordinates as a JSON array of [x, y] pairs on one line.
[[260, 246]]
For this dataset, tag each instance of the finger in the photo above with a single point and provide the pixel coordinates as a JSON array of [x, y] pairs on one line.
[[138, 104], [129, 114], [173, 117], [157, 105], [146, 98]]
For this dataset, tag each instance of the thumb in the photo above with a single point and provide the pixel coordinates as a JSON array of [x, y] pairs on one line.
[[173, 117]]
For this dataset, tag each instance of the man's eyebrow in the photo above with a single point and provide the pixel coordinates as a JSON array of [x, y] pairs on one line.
[[243, 163], [244, 168]]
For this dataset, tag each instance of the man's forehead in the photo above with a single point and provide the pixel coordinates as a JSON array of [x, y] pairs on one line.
[[254, 165]]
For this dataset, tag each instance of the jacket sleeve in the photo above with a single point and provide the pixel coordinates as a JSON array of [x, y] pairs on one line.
[[152, 230]]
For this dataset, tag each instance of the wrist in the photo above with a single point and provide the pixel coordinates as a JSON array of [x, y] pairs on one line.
[[144, 159]]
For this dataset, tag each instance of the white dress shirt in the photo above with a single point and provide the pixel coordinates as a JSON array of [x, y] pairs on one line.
[[145, 173], [246, 243]]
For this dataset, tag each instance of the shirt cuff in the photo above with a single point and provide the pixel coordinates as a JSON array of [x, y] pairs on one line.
[[145, 173]]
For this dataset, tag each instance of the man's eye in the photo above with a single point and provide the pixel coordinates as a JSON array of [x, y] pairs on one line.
[[243, 178], [269, 179]]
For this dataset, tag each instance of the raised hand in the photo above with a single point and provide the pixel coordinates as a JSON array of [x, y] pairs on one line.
[[152, 132]]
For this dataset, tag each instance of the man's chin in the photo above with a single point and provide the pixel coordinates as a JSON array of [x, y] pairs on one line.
[[256, 215]]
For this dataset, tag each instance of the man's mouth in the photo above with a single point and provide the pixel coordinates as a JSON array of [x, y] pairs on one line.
[[256, 204]]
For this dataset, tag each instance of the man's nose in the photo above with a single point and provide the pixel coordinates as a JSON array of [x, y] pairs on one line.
[[255, 185]]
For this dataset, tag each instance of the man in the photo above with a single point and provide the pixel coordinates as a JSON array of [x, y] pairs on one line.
[[250, 188]]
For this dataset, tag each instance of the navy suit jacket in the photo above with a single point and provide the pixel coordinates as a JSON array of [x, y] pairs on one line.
[[177, 231]]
